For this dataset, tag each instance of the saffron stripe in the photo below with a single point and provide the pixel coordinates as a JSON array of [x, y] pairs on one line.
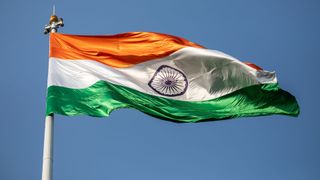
[[121, 50]]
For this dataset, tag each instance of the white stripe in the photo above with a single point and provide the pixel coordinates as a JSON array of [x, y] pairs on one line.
[[211, 74]]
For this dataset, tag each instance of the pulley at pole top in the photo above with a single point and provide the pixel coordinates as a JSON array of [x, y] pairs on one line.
[[54, 24]]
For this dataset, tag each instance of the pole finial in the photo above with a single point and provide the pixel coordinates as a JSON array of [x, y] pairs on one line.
[[54, 23], [53, 10]]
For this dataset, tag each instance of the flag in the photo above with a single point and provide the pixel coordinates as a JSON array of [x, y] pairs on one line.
[[161, 75]]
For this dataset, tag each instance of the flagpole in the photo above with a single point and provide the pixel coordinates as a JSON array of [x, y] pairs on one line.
[[48, 149], [47, 163]]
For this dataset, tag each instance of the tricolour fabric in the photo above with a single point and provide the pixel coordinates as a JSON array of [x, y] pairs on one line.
[[162, 75]]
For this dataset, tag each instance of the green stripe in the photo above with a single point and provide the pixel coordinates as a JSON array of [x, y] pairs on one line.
[[102, 97]]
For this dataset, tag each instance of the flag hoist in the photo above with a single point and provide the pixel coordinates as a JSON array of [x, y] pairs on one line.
[[52, 27]]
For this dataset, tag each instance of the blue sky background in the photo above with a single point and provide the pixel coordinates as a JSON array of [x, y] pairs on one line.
[[277, 35]]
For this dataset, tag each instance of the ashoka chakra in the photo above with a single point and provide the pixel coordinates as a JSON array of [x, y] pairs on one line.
[[169, 81]]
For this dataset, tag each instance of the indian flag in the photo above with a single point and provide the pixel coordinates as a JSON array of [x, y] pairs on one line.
[[161, 75]]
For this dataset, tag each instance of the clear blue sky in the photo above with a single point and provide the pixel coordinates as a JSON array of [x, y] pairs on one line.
[[277, 35]]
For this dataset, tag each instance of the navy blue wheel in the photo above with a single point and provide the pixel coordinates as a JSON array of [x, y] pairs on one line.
[[168, 81]]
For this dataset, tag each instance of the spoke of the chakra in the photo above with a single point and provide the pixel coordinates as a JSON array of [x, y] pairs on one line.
[[162, 88], [166, 90], [175, 88], [176, 75], [162, 75]]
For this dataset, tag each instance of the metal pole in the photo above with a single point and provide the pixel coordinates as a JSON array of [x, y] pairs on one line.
[[48, 149], [47, 163]]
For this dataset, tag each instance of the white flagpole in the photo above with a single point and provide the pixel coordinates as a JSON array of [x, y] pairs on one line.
[[47, 163], [48, 149]]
